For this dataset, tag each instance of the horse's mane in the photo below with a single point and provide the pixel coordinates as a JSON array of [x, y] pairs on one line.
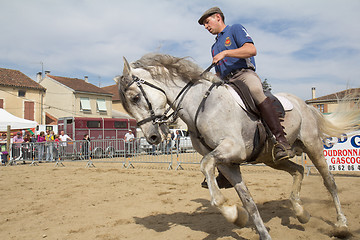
[[166, 67]]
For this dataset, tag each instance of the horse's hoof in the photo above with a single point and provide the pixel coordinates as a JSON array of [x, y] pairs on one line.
[[341, 232], [242, 218], [235, 214], [304, 217]]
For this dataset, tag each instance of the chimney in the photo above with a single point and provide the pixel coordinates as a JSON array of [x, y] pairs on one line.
[[86, 78], [313, 93], [38, 77], [47, 73]]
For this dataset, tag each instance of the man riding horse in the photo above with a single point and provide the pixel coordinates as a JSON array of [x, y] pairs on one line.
[[155, 81], [233, 53]]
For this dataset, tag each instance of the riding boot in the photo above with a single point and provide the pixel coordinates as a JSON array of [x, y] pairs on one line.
[[282, 149]]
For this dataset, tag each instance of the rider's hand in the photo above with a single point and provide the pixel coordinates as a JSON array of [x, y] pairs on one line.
[[218, 57]]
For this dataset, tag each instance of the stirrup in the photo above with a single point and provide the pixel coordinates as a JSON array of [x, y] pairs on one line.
[[288, 153]]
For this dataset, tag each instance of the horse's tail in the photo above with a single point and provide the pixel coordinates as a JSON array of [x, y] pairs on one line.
[[346, 118]]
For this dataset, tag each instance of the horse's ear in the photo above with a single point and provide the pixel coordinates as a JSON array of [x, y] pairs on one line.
[[127, 68], [117, 79]]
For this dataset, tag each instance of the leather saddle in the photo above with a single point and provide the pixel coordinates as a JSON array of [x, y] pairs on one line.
[[262, 133], [243, 91]]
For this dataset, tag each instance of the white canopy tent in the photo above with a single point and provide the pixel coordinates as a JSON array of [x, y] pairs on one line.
[[14, 122]]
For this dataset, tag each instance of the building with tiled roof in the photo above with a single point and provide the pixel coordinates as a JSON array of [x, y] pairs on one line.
[[78, 85], [73, 97], [114, 90], [118, 109], [328, 103], [21, 96]]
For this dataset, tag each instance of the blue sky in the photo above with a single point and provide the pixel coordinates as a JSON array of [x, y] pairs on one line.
[[301, 44]]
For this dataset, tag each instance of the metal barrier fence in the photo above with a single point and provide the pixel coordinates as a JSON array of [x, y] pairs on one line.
[[112, 151]]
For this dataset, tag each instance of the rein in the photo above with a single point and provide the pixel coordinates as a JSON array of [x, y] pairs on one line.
[[159, 119], [202, 108]]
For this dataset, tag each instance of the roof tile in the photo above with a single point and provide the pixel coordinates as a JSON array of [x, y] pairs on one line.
[[114, 90], [15, 78], [78, 84], [354, 92]]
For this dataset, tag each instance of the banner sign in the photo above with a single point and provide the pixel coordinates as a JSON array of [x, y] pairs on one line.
[[343, 154]]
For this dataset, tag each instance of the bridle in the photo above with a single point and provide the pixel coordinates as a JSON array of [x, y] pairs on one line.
[[159, 119]]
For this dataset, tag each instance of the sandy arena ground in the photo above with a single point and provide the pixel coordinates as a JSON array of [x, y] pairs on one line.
[[150, 202]]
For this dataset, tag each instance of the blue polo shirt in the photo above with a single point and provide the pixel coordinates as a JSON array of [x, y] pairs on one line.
[[232, 37]]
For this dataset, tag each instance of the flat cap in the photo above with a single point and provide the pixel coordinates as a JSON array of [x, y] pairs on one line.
[[210, 12]]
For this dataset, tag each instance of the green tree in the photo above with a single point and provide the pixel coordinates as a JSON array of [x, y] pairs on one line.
[[266, 86]]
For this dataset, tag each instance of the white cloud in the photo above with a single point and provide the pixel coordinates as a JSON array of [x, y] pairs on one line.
[[315, 42]]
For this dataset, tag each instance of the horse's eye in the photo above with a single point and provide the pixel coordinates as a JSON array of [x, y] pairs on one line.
[[135, 99]]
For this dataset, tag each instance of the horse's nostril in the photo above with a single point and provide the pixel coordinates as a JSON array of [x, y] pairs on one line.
[[153, 138]]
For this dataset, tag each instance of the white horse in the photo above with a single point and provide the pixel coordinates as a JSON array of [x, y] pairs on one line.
[[222, 132]]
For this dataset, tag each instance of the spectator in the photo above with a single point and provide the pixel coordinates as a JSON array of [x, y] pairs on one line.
[[41, 143], [168, 143], [56, 146], [17, 142], [27, 147], [49, 145], [18, 138], [3, 137], [129, 138], [27, 138], [153, 149], [33, 138], [3, 151], [63, 138], [3, 156], [3, 142], [177, 140], [86, 146]]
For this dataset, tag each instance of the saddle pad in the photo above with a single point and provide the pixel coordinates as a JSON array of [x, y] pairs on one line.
[[287, 105]]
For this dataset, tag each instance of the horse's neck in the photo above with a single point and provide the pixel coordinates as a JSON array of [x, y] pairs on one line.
[[172, 90], [192, 99]]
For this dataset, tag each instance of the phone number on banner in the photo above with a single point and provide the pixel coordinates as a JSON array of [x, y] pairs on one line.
[[344, 167], [343, 154]]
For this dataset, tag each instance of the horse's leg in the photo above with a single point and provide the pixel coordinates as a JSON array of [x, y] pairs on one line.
[[207, 166], [230, 212], [233, 174], [315, 153], [221, 154], [297, 172]]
